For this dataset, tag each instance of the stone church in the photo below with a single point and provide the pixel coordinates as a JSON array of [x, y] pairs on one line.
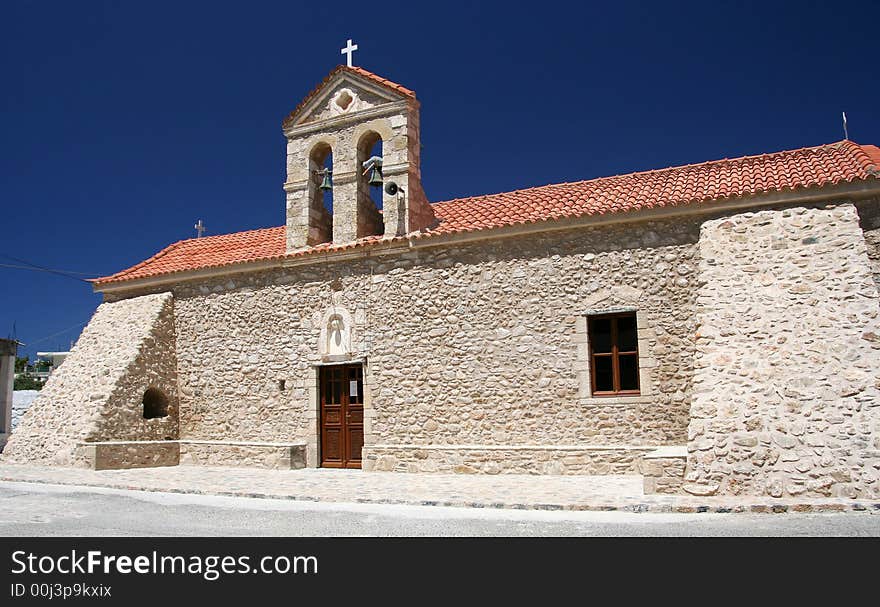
[[714, 328]]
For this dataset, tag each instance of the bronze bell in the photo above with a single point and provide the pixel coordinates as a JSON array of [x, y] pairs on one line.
[[375, 177], [327, 181]]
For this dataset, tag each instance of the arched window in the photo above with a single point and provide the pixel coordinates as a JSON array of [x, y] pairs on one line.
[[369, 154], [321, 194], [155, 404]]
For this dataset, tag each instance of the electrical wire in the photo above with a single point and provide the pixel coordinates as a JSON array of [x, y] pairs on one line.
[[62, 332], [17, 267], [37, 268]]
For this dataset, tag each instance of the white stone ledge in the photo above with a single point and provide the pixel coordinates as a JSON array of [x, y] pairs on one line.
[[608, 310], [240, 443], [617, 401], [668, 452], [519, 447], [385, 109], [195, 442]]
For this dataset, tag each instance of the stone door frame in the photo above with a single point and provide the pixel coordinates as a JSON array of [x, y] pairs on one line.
[[313, 437]]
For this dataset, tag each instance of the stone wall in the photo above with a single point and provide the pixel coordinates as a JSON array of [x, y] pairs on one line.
[[758, 347], [663, 470], [485, 459], [869, 216], [123, 455], [786, 393], [273, 456], [96, 395], [118, 455], [474, 344]]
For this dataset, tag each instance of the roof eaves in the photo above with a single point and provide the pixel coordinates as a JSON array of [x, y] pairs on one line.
[[119, 276]]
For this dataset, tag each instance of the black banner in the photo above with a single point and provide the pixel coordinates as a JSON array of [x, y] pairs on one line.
[[228, 570]]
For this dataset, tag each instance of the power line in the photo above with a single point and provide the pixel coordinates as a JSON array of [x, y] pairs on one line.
[[37, 268], [17, 267], [62, 332]]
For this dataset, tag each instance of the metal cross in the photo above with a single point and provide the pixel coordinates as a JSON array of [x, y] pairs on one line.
[[200, 228], [348, 51]]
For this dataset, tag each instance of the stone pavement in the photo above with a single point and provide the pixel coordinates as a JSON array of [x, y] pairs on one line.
[[543, 492]]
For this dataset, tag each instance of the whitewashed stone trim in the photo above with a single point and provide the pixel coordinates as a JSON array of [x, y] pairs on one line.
[[382, 127], [313, 409], [231, 443], [343, 120], [441, 447], [668, 451], [348, 334], [622, 402], [313, 418], [506, 459]]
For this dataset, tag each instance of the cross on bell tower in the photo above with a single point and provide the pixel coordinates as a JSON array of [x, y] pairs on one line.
[[348, 51]]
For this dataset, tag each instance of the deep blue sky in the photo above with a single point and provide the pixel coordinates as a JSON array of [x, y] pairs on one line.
[[125, 122]]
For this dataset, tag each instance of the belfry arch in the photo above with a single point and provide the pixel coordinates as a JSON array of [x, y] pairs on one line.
[[369, 194], [359, 115], [320, 173]]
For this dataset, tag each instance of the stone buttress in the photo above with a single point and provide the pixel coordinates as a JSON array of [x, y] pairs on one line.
[[786, 397], [97, 394]]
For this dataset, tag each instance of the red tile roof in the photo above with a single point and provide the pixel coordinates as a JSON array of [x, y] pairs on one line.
[[840, 162], [393, 86]]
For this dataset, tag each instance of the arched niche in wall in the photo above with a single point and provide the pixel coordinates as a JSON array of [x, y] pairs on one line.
[[336, 338], [155, 404]]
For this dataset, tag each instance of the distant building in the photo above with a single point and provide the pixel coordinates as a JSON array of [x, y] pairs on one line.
[[53, 358]]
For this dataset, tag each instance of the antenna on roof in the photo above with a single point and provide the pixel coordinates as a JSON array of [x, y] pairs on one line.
[[200, 228], [845, 132]]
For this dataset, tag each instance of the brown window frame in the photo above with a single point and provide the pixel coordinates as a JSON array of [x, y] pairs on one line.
[[615, 355]]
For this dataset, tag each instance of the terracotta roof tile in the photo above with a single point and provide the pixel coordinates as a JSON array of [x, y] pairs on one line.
[[397, 88], [726, 179]]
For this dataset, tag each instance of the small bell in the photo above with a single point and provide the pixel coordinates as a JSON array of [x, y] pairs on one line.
[[327, 181], [375, 177]]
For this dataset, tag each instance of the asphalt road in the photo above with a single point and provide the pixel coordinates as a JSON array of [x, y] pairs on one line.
[[28, 509]]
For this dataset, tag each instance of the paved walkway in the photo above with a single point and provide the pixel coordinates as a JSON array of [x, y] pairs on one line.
[[476, 491]]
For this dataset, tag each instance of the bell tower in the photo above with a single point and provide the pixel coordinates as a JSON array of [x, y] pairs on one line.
[[336, 180]]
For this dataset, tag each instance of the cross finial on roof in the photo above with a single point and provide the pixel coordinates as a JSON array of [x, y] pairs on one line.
[[200, 228], [348, 51]]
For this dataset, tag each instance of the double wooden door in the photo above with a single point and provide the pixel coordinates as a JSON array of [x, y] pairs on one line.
[[342, 415]]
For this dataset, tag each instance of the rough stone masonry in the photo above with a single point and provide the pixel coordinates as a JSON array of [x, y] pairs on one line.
[[756, 317], [127, 347], [786, 397]]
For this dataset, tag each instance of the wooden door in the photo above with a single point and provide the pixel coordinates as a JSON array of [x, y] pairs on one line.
[[342, 416]]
